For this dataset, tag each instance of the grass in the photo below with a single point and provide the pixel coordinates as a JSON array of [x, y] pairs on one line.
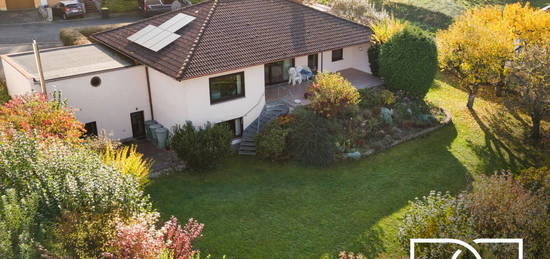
[[122, 6], [258, 209]]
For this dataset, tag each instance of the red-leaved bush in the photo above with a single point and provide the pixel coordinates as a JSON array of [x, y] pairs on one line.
[[138, 238], [34, 114]]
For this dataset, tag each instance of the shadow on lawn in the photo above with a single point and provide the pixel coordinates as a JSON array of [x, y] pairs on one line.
[[422, 17], [258, 209], [507, 143]]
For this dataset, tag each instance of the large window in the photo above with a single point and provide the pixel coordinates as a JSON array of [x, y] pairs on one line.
[[227, 87], [91, 129], [236, 126], [337, 54]]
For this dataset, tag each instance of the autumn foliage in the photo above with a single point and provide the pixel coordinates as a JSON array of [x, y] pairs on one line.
[[34, 114], [331, 94], [477, 46]]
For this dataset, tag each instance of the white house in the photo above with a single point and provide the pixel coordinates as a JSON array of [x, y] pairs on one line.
[[208, 62]]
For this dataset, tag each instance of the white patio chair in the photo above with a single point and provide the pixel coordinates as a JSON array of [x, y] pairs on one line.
[[294, 76]]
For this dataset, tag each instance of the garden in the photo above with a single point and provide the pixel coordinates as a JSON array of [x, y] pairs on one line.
[[483, 174]]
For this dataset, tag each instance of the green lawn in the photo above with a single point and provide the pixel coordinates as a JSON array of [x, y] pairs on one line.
[[257, 209]]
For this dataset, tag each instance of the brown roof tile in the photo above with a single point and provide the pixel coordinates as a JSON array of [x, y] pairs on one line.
[[237, 34]]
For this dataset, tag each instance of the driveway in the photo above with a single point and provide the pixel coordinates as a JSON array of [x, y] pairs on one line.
[[18, 37]]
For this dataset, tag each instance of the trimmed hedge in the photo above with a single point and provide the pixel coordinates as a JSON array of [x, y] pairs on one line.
[[79, 35], [408, 61], [201, 147], [374, 55]]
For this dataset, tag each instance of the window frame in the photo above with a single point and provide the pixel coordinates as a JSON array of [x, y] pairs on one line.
[[235, 136], [341, 57], [225, 99]]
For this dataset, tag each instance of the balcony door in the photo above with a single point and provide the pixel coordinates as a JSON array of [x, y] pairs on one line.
[[277, 72]]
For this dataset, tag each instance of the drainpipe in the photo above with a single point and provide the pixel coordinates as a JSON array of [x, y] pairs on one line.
[[149, 92], [322, 61], [39, 66]]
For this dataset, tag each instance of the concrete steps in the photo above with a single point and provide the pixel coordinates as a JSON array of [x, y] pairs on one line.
[[269, 113]]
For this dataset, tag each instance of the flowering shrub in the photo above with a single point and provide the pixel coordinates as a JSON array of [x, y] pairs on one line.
[[67, 178], [18, 225], [435, 216], [138, 238], [331, 94], [34, 113], [127, 160], [497, 207]]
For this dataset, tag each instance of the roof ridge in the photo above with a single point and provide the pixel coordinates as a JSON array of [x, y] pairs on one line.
[[151, 18], [329, 14], [197, 40]]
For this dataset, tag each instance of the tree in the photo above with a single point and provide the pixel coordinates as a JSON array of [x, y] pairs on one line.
[[408, 61], [477, 46], [530, 76]]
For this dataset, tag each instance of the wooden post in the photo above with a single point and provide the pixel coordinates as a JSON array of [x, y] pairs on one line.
[[39, 66]]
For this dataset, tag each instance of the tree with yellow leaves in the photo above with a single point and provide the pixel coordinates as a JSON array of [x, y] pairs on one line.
[[478, 45]]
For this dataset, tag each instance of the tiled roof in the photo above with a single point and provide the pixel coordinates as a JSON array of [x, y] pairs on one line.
[[233, 34]]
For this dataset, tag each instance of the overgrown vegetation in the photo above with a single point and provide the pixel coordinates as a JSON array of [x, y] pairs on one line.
[[272, 142], [331, 95], [127, 160], [80, 35], [201, 147]]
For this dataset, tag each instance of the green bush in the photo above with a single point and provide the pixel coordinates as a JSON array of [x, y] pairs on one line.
[[312, 139], [499, 206], [408, 61], [18, 225], [332, 94], [84, 235], [374, 56], [375, 97], [272, 142], [121, 6], [201, 147], [435, 216], [67, 178]]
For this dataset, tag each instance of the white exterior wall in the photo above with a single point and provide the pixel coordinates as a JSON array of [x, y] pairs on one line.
[[16, 82], [354, 57], [176, 102], [121, 92]]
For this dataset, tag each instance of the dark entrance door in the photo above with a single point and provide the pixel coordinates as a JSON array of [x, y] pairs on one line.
[[138, 124], [277, 72], [313, 62]]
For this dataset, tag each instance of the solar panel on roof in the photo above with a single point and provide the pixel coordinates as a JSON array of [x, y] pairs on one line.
[[156, 38], [177, 22]]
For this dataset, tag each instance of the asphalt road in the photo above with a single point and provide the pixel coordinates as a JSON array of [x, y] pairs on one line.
[[18, 37]]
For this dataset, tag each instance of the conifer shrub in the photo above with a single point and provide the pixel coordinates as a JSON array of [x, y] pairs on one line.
[[408, 61]]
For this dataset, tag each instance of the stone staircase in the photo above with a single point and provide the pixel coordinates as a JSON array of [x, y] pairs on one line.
[[269, 113], [90, 6]]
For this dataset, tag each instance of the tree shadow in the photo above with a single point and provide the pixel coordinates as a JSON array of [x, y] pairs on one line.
[[422, 17], [507, 145]]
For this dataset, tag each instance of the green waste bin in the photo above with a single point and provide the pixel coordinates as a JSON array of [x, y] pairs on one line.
[[162, 136], [152, 128], [147, 129]]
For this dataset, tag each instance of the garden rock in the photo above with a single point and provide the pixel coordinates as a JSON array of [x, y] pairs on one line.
[[386, 114], [353, 155]]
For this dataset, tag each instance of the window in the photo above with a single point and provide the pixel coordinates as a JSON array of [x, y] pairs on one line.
[[227, 87], [337, 54], [236, 126], [96, 81], [91, 129]]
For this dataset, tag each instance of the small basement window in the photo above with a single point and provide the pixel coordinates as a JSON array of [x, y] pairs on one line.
[[337, 54], [227, 87], [236, 126], [91, 129], [96, 81]]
